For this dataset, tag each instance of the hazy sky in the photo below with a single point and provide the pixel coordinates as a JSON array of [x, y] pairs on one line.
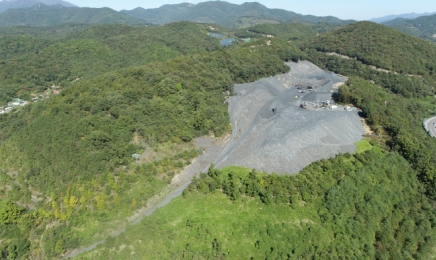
[[344, 9]]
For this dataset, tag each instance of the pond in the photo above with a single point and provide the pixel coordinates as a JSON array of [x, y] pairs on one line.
[[227, 42]]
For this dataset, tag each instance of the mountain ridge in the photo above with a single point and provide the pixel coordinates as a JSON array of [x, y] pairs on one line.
[[226, 14], [423, 27], [16, 4], [50, 15], [391, 17]]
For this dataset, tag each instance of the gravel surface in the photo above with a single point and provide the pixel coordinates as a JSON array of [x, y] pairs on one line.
[[289, 138], [430, 126], [211, 151]]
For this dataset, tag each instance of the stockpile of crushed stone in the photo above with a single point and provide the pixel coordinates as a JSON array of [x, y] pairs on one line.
[[273, 134]]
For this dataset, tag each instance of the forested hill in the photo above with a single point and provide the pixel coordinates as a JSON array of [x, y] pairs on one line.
[[289, 31], [37, 63], [43, 15], [226, 14], [381, 46], [15, 4], [51, 32], [423, 27]]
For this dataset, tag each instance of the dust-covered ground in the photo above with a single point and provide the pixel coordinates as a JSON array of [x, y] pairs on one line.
[[273, 134]]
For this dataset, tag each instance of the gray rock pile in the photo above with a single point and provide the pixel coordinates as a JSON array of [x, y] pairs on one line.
[[273, 134]]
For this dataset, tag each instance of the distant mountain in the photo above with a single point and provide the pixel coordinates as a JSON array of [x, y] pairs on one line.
[[15, 4], [422, 27], [395, 16], [226, 14], [44, 15]]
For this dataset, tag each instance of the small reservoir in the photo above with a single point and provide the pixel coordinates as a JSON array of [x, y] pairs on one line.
[[227, 42]]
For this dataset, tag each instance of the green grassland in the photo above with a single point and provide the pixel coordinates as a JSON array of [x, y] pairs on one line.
[[209, 218]]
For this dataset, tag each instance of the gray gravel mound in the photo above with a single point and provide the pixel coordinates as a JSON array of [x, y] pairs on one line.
[[273, 134]]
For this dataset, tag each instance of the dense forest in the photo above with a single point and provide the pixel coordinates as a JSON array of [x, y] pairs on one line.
[[422, 27], [44, 15], [380, 46], [37, 63], [288, 31], [51, 32]]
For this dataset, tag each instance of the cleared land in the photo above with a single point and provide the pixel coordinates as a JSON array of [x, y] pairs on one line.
[[273, 134]]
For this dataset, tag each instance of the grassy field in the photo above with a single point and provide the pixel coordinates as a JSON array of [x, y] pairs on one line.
[[197, 225], [363, 145]]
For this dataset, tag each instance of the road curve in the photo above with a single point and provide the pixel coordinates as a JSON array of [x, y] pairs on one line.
[[430, 125]]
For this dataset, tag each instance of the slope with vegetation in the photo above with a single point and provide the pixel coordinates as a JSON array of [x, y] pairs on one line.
[[226, 14], [16, 4], [52, 32], [38, 64], [289, 31], [43, 15], [366, 205], [422, 27], [68, 160], [408, 16], [381, 46]]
